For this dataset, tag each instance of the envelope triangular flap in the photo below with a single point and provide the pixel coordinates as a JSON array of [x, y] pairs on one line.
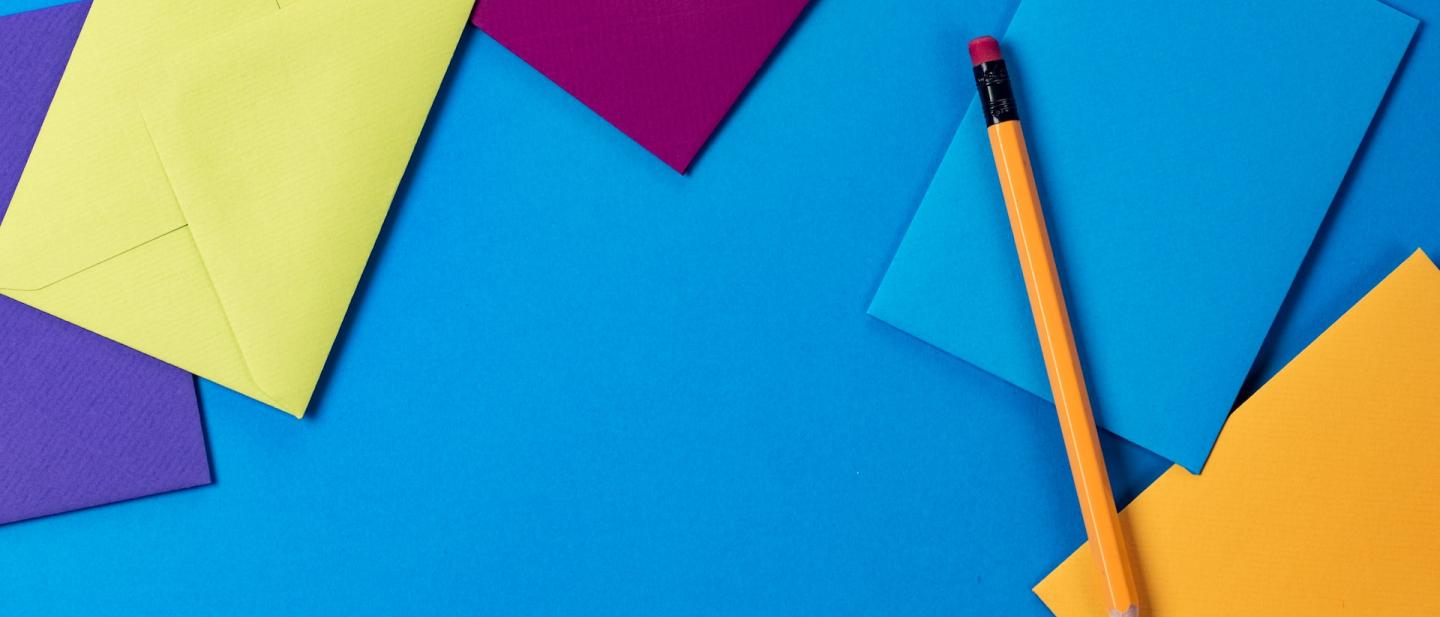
[[284, 158], [664, 72], [93, 167]]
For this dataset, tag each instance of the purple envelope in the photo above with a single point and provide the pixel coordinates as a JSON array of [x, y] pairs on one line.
[[665, 72], [83, 421]]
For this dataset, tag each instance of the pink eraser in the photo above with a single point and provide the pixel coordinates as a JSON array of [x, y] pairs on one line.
[[984, 49]]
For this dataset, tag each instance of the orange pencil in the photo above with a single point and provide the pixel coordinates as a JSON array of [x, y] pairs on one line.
[[1052, 324]]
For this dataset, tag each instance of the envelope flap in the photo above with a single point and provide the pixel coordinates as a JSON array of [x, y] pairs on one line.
[[664, 72], [93, 187], [284, 141]]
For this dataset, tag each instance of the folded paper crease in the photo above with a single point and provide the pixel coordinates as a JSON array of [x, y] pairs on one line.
[[231, 199], [83, 421]]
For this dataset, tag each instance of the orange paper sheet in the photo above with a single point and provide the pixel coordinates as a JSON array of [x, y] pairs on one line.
[[1323, 494]]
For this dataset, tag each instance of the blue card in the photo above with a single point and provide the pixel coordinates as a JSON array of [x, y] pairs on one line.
[[648, 395], [1387, 206], [642, 394], [1186, 154]]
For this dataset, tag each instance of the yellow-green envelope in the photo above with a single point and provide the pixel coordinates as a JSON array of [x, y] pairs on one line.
[[212, 176]]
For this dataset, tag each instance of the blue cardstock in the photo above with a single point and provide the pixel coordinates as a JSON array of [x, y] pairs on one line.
[[646, 395], [1186, 154], [638, 394], [1389, 204]]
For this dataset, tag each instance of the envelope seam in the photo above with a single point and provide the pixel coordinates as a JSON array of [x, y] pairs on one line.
[[93, 265], [224, 312]]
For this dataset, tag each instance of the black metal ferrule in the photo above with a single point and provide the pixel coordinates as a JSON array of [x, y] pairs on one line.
[[997, 102]]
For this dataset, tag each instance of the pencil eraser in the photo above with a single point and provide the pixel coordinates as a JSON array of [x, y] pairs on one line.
[[984, 49]]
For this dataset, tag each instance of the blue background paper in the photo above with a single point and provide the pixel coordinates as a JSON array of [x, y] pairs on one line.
[[575, 383], [1388, 206], [1187, 154]]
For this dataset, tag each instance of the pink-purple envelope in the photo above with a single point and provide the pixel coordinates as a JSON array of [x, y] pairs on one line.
[[664, 72]]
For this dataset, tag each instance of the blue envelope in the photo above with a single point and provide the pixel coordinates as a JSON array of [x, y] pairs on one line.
[[1186, 154]]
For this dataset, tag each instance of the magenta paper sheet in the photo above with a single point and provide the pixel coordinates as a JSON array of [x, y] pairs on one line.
[[665, 72]]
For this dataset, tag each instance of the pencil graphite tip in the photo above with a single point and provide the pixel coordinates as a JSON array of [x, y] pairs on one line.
[[984, 49]]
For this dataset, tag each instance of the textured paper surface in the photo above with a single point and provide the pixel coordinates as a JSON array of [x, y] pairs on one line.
[[83, 421], [212, 177], [1321, 496], [665, 72], [572, 370], [34, 47], [1185, 167]]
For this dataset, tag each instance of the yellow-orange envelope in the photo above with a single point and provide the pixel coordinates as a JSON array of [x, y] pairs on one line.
[[1323, 494], [212, 175]]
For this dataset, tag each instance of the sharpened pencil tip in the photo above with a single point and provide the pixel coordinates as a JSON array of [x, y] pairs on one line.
[[1133, 611]]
